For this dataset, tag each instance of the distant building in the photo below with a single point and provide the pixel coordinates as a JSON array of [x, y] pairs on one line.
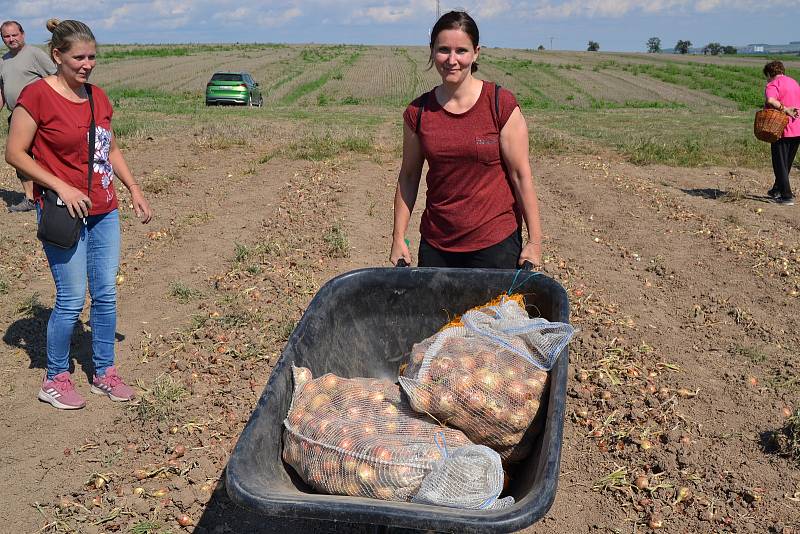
[[763, 48]]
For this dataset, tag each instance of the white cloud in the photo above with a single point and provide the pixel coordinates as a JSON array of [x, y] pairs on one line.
[[388, 13], [545, 9], [342, 20]]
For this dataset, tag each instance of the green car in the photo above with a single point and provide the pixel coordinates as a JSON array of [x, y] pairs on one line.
[[233, 88]]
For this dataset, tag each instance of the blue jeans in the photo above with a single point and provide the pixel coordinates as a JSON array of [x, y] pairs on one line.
[[95, 257]]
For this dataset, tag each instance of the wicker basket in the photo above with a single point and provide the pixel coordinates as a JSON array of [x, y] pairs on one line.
[[769, 124]]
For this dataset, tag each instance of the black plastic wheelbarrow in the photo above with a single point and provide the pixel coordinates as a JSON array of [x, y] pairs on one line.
[[362, 324]]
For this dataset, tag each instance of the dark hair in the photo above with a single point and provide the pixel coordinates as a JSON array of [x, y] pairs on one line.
[[773, 68], [10, 22], [67, 32], [455, 20]]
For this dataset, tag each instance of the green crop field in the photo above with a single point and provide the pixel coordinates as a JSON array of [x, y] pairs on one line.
[[649, 108]]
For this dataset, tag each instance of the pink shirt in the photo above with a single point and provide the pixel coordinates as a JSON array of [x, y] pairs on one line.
[[786, 91]]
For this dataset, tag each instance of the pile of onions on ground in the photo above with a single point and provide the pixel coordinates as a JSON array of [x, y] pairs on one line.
[[486, 374], [359, 437]]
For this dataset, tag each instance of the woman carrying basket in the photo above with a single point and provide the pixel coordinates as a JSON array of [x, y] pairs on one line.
[[475, 141], [783, 93], [53, 119]]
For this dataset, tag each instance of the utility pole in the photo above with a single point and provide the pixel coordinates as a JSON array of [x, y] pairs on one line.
[[551, 43], [438, 11]]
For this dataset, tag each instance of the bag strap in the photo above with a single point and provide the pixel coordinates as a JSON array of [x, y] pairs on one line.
[[92, 128], [419, 111], [497, 88]]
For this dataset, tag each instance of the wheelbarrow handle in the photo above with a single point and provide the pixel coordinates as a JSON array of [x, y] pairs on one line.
[[401, 263]]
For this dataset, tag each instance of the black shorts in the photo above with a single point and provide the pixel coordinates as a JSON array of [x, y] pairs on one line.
[[503, 255]]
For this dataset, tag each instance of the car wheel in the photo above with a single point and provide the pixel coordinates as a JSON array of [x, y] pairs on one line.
[[260, 101], [250, 100]]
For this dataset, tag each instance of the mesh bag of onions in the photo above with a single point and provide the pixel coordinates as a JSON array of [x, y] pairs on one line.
[[360, 437], [486, 374]]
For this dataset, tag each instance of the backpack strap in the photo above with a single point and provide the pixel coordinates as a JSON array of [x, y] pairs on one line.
[[423, 100], [497, 88]]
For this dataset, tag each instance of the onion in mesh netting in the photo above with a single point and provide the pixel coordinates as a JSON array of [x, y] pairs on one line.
[[487, 376], [359, 437]]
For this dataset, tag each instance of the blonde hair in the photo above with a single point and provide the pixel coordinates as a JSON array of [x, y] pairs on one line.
[[67, 32]]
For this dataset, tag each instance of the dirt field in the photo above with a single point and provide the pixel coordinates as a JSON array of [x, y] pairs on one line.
[[683, 282]]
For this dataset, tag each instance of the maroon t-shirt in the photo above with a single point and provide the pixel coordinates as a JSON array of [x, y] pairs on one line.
[[470, 203], [61, 143]]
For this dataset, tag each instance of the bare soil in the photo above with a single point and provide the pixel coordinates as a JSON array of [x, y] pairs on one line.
[[683, 282]]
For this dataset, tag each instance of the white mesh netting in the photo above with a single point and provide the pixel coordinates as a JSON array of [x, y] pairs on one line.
[[360, 437], [487, 377]]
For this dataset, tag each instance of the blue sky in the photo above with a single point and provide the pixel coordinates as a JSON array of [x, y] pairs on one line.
[[618, 25]]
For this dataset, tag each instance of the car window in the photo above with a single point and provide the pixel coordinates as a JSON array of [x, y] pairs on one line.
[[225, 77]]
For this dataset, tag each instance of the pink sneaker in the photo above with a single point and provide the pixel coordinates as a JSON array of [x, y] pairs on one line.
[[60, 392], [112, 385]]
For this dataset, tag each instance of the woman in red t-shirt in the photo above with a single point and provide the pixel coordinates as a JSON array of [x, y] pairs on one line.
[[475, 141], [52, 120]]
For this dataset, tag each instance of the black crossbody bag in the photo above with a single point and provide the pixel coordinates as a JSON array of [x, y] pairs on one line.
[[56, 226]]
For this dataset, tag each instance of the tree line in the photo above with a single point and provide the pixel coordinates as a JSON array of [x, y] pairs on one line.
[[682, 47]]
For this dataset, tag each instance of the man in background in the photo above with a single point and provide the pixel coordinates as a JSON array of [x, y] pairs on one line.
[[21, 65]]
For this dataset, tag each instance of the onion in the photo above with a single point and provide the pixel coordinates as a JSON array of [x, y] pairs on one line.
[[349, 464], [184, 520], [390, 410], [329, 381], [384, 493], [486, 358], [323, 426], [535, 386], [441, 366], [446, 403], [684, 494], [366, 474], [476, 400], [138, 490], [467, 362], [487, 379], [319, 401], [641, 482], [510, 372], [383, 454], [179, 450], [655, 521], [302, 375], [516, 388], [462, 382]]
